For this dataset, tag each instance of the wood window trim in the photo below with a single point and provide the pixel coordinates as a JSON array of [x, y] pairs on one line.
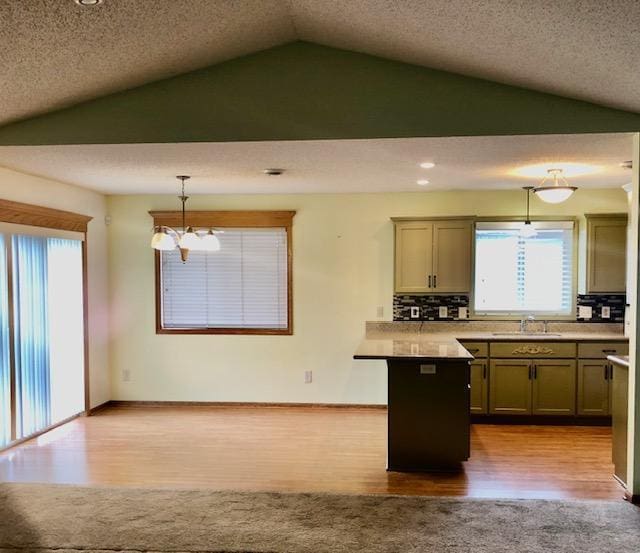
[[46, 217], [228, 219]]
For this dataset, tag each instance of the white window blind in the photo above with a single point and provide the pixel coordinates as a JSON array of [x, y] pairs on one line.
[[244, 285], [520, 275]]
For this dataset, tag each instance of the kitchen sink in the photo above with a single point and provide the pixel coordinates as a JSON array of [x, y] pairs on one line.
[[525, 334]]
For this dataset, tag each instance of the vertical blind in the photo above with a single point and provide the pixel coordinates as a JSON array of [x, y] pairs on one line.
[[518, 274], [5, 377], [244, 285], [48, 333]]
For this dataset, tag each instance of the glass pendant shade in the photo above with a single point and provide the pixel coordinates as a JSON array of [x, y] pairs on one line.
[[210, 242], [162, 241], [189, 240], [554, 194]]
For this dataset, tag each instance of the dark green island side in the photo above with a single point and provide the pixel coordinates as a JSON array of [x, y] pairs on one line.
[[428, 425]]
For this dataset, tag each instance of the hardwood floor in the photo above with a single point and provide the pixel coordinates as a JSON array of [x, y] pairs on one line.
[[296, 449]]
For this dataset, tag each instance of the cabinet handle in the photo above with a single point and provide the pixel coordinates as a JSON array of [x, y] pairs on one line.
[[530, 371], [609, 351], [535, 372], [484, 371], [606, 372], [429, 281], [611, 371], [435, 285]]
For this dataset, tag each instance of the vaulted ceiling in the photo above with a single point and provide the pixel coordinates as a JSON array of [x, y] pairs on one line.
[[57, 53]]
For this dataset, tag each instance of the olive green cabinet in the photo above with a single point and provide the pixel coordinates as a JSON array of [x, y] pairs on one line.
[[478, 396], [553, 387], [532, 387], [606, 253], [433, 256], [510, 387], [594, 389]]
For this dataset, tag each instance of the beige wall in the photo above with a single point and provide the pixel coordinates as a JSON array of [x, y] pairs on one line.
[[343, 270], [38, 191]]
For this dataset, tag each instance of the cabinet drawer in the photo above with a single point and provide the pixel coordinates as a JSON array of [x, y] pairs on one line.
[[533, 350], [477, 349], [600, 350]]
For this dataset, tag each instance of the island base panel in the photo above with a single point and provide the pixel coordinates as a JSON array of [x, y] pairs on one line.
[[428, 417]]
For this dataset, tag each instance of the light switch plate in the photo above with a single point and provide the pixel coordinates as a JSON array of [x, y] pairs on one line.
[[415, 313], [462, 312], [585, 312], [443, 312], [605, 312]]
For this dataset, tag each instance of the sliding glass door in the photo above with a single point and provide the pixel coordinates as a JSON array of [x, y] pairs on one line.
[[42, 288], [5, 374]]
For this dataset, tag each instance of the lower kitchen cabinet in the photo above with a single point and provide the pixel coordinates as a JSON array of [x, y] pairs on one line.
[[594, 389], [510, 387], [553, 387], [479, 401]]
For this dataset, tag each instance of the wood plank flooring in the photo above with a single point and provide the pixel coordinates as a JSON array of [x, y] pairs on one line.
[[296, 449]]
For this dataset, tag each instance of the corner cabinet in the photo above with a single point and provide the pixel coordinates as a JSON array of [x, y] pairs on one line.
[[606, 254], [433, 256]]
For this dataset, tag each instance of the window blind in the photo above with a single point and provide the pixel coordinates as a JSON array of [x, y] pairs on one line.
[[244, 285], [5, 376], [518, 274]]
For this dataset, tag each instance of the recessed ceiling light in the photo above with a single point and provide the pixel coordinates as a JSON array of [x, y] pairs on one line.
[[569, 169], [427, 164], [422, 182], [88, 2]]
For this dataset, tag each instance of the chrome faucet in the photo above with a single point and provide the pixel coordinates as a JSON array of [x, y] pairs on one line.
[[524, 323]]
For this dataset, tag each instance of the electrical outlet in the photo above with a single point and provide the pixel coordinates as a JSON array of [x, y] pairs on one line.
[[462, 312], [380, 311], [605, 313], [585, 312], [443, 312], [308, 377], [126, 375], [415, 313]]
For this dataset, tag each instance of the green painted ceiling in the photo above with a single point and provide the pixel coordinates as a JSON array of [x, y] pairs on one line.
[[303, 91]]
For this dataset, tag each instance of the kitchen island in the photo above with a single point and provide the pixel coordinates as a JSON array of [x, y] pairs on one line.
[[428, 425]]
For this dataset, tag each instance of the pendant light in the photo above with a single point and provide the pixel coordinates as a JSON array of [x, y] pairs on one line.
[[556, 192], [166, 239], [528, 230]]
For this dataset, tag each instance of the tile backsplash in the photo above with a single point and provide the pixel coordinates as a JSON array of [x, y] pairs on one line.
[[429, 307]]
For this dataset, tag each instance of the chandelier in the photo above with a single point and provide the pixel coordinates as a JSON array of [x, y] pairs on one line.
[[556, 192], [185, 239]]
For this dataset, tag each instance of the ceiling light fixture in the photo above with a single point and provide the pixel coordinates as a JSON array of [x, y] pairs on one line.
[[422, 182], [273, 172], [186, 239], [528, 230], [570, 169], [427, 165], [88, 2], [556, 192]]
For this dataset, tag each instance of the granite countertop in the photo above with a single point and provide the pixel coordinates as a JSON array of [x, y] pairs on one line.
[[622, 360], [426, 340], [412, 347]]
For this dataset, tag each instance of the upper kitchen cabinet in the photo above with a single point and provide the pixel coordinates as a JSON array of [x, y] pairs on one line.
[[606, 253], [433, 256]]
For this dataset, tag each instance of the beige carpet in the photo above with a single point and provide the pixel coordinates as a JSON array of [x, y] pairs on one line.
[[41, 518]]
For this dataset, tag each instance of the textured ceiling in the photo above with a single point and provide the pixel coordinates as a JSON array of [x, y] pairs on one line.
[[55, 53], [384, 165]]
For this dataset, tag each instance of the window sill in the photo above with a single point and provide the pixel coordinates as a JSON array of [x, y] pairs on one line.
[[229, 331]]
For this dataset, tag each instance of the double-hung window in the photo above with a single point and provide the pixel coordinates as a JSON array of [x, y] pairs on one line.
[[519, 274], [243, 288]]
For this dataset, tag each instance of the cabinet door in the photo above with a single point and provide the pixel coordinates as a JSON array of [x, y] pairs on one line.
[[452, 256], [413, 266], [619, 416], [606, 254], [554, 387], [509, 387], [479, 403], [593, 387]]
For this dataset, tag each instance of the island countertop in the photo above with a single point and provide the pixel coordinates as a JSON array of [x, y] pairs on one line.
[[417, 347]]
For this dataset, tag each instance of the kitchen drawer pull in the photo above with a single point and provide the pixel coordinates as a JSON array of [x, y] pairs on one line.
[[609, 351], [429, 281], [435, 285]]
